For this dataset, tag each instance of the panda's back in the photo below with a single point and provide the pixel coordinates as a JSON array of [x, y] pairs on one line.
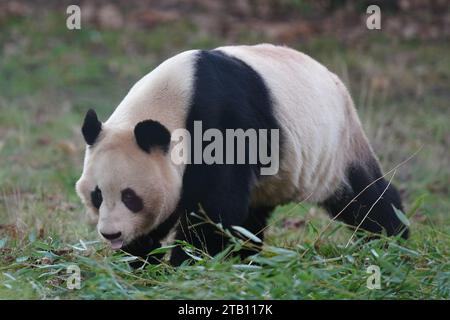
[[164, 94], [316, 117]]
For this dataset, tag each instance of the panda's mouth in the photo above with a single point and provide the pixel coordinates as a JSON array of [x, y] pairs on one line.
[[116, 244]]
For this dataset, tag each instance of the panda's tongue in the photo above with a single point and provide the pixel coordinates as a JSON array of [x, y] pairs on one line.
[[116, 244]]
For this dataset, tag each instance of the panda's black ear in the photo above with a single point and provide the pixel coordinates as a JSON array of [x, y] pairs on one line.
[[150, 133], [91, 127]]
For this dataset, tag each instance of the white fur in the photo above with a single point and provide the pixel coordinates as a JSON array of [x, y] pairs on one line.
[[161, 95]]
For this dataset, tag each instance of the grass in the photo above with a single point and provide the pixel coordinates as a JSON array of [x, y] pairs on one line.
[[51, 76]]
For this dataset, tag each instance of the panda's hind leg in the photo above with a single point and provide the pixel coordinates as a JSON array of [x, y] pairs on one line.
[[366, 200]]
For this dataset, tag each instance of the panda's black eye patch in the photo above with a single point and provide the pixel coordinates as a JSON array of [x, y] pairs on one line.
[[96, 197], [131, 200]]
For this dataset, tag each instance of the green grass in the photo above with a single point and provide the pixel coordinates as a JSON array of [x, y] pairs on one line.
[[51, 76]]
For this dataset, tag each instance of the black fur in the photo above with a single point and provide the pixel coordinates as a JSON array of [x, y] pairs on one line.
[[382, 216], [150, 133], [91, 127], [131, 200], [228, 94], [96, 197]]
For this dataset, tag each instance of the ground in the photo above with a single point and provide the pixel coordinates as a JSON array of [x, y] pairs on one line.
[[51, 76]]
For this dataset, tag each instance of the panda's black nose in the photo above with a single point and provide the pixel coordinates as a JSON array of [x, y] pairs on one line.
[[111, 236]]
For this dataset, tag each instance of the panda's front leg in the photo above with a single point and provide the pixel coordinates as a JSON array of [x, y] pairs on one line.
[[222, 193], [203, 232], [209, 238], [204, 236], [141, 247]]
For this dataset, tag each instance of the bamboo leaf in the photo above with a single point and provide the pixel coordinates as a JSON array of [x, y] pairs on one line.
[[247, 234], [401, 216]]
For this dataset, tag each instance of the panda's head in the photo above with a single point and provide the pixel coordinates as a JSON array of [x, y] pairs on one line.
[[128, 183]]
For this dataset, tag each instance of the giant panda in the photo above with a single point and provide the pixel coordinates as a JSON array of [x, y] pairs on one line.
[[141, 198]]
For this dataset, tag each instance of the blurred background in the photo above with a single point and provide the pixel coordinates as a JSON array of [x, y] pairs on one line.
[[399, 77]]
